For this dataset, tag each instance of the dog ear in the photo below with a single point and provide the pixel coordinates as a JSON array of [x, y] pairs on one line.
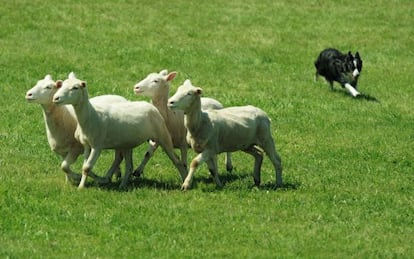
[[357, 55], [349, 57]]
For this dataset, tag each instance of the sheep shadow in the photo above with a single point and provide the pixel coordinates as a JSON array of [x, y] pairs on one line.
[[231, 181], [286, 186], [139, 183], [236, 181]]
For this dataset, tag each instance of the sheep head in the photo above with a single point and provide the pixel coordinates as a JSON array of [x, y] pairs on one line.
[[155, 84], [70, 91], [186, 97], [43, 91]]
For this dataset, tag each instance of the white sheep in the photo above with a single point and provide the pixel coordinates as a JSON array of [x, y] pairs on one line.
[[60, 122], [157, 86], [245, 128], [120, 126]]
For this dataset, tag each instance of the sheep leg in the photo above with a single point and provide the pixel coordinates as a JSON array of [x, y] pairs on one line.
[[183, 151], [114, 168], [68, 160], [229, 164], [258, 160], [195, 163], [150, 151], [177, 163], [128, 168], [119, 156], [212, 167], [86, 153], [270, 149], [166, 143], [92, 156]]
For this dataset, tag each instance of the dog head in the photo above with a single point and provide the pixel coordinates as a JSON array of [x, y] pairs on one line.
[[352, 67], [353, 64], [358, 62]]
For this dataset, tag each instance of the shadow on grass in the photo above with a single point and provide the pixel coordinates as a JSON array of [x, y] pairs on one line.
[[139, 183], [362, 96], [367, 97], [231, 181], [285, 187], [240, 181]]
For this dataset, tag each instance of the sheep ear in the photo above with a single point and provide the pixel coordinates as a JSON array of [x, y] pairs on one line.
[[83, 84], [58, 84], [171, 76], [48, 77], [187, 82], [164, 72], [199, 91], [71, 75]]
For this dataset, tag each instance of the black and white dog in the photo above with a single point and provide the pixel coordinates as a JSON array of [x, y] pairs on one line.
[[342, 68]]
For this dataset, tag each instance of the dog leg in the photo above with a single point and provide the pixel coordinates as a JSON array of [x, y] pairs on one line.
[[331, 84], [352, 90]]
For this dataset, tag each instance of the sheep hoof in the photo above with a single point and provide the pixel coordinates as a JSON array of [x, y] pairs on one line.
[[137, 173], [123, 187], [73, 179], [229, 169], [103, 180], [184, 187], [118, 174]]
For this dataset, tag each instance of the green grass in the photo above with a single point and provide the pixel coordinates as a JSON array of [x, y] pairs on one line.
[[348, 164]]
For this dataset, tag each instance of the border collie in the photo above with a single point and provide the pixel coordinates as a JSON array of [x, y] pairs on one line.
[[342, 68]]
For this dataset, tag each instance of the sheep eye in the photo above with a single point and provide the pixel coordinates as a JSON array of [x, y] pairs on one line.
[[155, 81], [48, 87]]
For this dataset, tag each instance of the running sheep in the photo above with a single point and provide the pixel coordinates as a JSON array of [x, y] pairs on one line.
[[120, 126], [244, 128], [60, 122], [157, 86]]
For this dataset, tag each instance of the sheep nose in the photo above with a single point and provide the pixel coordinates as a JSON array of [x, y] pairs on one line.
[[137, 89], [29, 96]]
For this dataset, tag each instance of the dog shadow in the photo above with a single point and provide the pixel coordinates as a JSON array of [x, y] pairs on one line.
[[361, 96], [367, 97]]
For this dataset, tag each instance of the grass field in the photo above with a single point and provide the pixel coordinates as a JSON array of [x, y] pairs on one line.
[[348, 163]]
